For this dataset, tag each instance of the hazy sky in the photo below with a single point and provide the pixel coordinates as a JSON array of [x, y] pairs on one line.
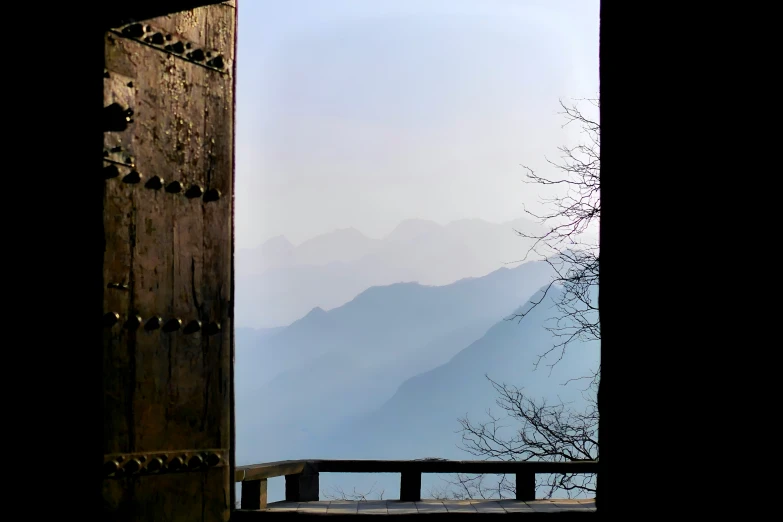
[[362, 113]]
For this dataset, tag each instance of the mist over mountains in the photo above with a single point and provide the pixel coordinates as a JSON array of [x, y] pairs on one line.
[[341, 405], [278, 282], [374, 348]]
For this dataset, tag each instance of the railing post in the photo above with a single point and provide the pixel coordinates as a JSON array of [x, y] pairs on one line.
[[253, 494], [302, 487], [410, 486], [526, 486]]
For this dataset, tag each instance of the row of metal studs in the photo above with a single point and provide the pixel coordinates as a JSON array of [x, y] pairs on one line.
[[159, 463], [156, 322], [156, 183], [157, 40]]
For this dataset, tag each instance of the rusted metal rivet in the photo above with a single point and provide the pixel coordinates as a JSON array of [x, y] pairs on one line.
[[110, 319], [110, 467], [213, 459], [212, 328], [133, 31], [176, 463], [192, 327], [133, 322], [155, 465], [194, 192], [172, 325], [115, 118], [197, 55], [154, 183], [174, 187], [216, 62], [133, 177], [110, 172], [212, 195], [195, 462], [132, 466], [153, 323]]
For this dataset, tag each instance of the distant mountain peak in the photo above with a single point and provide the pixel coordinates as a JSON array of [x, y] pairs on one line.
[[411, 228], [278, 242], [317, 311], [340, 234], [470, 220], [350, 230]]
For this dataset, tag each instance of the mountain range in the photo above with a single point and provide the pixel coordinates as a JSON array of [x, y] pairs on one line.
[[354, 347], [419, 419], [306, 379], [397, 330], [278, 282]]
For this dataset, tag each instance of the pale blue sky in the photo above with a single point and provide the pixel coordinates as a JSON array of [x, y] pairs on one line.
[[364, 113]]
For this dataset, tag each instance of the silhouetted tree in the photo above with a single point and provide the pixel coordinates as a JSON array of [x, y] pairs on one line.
[[552, 432], [573, 256]]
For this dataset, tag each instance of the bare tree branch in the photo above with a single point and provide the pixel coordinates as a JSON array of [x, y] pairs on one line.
[[339, 494], [574, 259], [542, 431]]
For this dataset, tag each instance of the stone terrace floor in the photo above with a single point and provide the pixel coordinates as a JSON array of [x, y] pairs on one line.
[[426, 506]]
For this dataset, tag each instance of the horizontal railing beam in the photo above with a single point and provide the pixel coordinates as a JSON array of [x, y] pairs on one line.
[[451, 466], [291, 467], [270, 469]]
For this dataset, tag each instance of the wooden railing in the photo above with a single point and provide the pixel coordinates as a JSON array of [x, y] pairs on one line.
[[301, 476]]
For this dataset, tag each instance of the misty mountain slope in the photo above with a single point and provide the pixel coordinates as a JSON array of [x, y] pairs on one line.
[[284, 410], [340, 246], [301, 382], [393, 324], [420, 420], [245, 341], [275, 253], [435, 258], [278, 283], [411, 229], [282, 295]]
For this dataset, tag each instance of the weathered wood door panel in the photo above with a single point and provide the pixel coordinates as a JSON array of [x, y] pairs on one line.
[[168, 169]]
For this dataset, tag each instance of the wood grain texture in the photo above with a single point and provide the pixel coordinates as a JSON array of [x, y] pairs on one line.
[[168, 389], [271, 469]]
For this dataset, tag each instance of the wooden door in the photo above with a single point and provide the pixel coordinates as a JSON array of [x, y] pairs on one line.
[[167, 214]]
